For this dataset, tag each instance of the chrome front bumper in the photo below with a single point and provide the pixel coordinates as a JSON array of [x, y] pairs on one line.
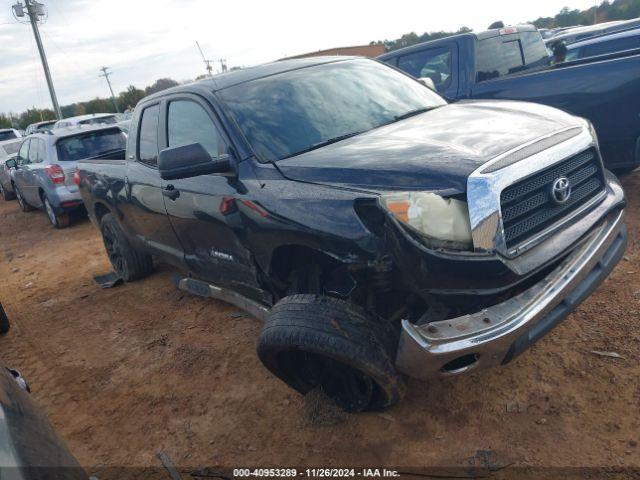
[[497, 334]]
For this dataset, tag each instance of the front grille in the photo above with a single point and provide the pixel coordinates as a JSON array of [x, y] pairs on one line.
[[528, 206]]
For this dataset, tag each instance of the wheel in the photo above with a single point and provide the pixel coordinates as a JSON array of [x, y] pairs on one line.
[[24, 206], [127, 262], [4, 321], [6, 195], [311, 341], [58, 220]]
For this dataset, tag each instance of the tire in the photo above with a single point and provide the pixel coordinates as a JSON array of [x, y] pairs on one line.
[[7, 195], [128, 263], [4, 321], [58, 220], [311, 341], [24, 206]]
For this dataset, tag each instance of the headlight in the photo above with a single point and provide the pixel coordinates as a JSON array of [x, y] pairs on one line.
[[443, 221]]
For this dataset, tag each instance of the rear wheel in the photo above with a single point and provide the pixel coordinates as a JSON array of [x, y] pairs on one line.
[[127, 262], [58, 220], [311, 341], [24, 206]]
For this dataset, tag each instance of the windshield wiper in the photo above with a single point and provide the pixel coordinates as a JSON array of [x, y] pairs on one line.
[[412, 113], [107, 153], [324, 143]]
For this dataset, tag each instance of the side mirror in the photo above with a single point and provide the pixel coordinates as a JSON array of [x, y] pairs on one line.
[[427, 82], [11, 163], [187, 161]]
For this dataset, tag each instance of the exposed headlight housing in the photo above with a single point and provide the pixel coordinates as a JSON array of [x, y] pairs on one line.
[[443, 222]]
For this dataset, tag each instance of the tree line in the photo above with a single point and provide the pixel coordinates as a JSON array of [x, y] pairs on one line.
[[606, 11], [129, 97]]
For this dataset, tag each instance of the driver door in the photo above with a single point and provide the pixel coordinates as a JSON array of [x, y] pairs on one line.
[[196, 209]]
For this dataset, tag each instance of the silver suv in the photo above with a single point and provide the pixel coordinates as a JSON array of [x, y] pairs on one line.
[[42, 173]]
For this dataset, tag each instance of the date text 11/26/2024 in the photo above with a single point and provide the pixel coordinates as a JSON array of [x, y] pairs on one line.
[[315, 472]]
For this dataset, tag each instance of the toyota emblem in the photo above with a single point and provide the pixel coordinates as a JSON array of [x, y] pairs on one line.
[[561, 190]]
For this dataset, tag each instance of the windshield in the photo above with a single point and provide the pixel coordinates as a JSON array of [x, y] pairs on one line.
[[7, 135], [292, 112], [90, 144]]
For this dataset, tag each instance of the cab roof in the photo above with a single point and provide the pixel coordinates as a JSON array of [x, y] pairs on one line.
[[229, 79]]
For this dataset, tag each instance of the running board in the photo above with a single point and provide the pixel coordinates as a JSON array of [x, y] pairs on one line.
[[204, 289]]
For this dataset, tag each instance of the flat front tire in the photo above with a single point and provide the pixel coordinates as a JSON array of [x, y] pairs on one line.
[[128, 263], [311, 341]]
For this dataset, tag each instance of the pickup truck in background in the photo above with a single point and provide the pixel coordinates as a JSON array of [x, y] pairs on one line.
[[513, 63], [375, 229]]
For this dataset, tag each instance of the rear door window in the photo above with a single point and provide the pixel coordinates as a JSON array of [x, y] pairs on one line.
[[506, 54], [148, 139], [434, 63], [34, 150], [188, 122]]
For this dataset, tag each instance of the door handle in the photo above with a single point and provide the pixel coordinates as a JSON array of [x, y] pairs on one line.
[[171, 192]]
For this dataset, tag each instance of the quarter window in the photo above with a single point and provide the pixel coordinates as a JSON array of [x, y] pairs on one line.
[[189, 123], [148, 139]]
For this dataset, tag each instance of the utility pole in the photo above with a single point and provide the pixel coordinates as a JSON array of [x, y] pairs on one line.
[[223, 64], [105, 74], [34, 10], [595, 13], [207, 63]]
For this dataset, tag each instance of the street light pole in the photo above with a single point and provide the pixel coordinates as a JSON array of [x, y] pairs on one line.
[[106, 74], [33, 18]]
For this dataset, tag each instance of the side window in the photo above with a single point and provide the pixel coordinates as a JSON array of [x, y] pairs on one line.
[[24, 151], [41, 152], [148, 137], [434, 64], [617, 45], [188, 122], [33, 150]]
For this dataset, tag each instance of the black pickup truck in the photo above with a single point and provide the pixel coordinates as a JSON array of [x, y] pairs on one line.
[[512, 64], [376, 229]]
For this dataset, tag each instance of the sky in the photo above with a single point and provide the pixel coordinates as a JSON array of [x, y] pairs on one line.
[[143, 40]]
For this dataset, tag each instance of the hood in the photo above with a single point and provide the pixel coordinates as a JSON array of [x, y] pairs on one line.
[[434, 151]]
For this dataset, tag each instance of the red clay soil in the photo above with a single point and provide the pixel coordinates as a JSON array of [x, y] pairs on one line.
[[126, 372]]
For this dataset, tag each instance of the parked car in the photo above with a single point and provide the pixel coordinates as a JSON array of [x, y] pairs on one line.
[[90, 119], [31, 449], [45, 165], [40, 126], [512, 63], [604, 44], [576, 34], [375, 228], [8, 150], [9, 134]]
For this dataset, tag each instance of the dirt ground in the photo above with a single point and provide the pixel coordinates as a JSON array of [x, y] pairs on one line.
[[126, 372]]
